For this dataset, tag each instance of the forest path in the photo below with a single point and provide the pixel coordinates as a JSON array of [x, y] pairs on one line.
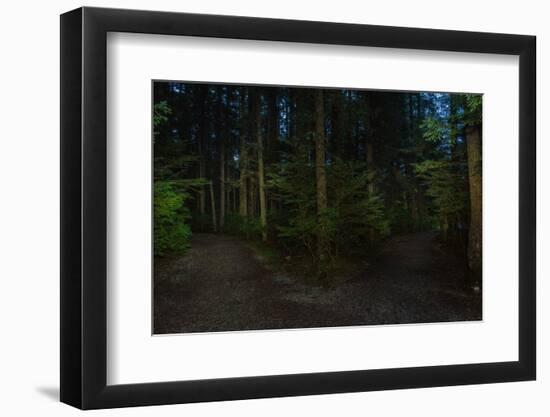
[[415, 280], [409, 252], [222, 285]]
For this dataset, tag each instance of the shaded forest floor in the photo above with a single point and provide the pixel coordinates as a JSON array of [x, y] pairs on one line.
[[223, 284]]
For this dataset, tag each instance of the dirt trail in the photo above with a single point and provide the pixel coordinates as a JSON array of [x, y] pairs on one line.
[[220, 285]]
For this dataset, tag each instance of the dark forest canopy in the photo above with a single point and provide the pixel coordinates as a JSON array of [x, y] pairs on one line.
[[316, 174]]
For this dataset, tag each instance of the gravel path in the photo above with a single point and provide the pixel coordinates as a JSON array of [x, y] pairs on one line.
[[220, 285]]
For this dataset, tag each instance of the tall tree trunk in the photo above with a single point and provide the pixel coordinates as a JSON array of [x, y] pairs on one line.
[[228, 193], [473, 144], [234, 207], [302, 120], [272, 126], [222, 132], [369, 155], [454, 231], [292, 120], [320, 173], [202, 133], [202, 195], [371, 174], [252, 196], [444, 226], [260, 152], [338, 130], [243, 159], [213, 204], [370, 165], [222, 182], [413, 141], [454, 127], [273, 123]]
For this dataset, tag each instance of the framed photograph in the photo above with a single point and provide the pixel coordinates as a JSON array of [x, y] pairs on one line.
[[258, 208]]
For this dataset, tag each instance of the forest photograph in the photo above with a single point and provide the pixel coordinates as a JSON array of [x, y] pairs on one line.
[[281, 207]]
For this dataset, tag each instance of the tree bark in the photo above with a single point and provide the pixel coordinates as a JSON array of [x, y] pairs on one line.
[[260, 153], [234, 188], [473, 144], [414, 140], [222, 132], [272, 140], [243, 160], [203, 127], [272, 126], [337, 139], [370, 165], [369, 156], [213, 203], [320, 170], [222, 182], [371, 173], [252, 196]]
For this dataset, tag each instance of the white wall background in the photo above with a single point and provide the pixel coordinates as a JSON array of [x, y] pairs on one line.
[[29, 212]]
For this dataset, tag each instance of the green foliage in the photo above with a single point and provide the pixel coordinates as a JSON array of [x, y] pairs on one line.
[[232, 224], [355, 211], [358, 211], [400, 218], [443, 173], [172, 233], [293, 181], [174, 167], [473, 102], [446, 186], [472, 109], [433, 129], [161, 111], [250, 227], [416, 176]]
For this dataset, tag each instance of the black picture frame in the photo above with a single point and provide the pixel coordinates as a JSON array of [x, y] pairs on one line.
[[84, 207]]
